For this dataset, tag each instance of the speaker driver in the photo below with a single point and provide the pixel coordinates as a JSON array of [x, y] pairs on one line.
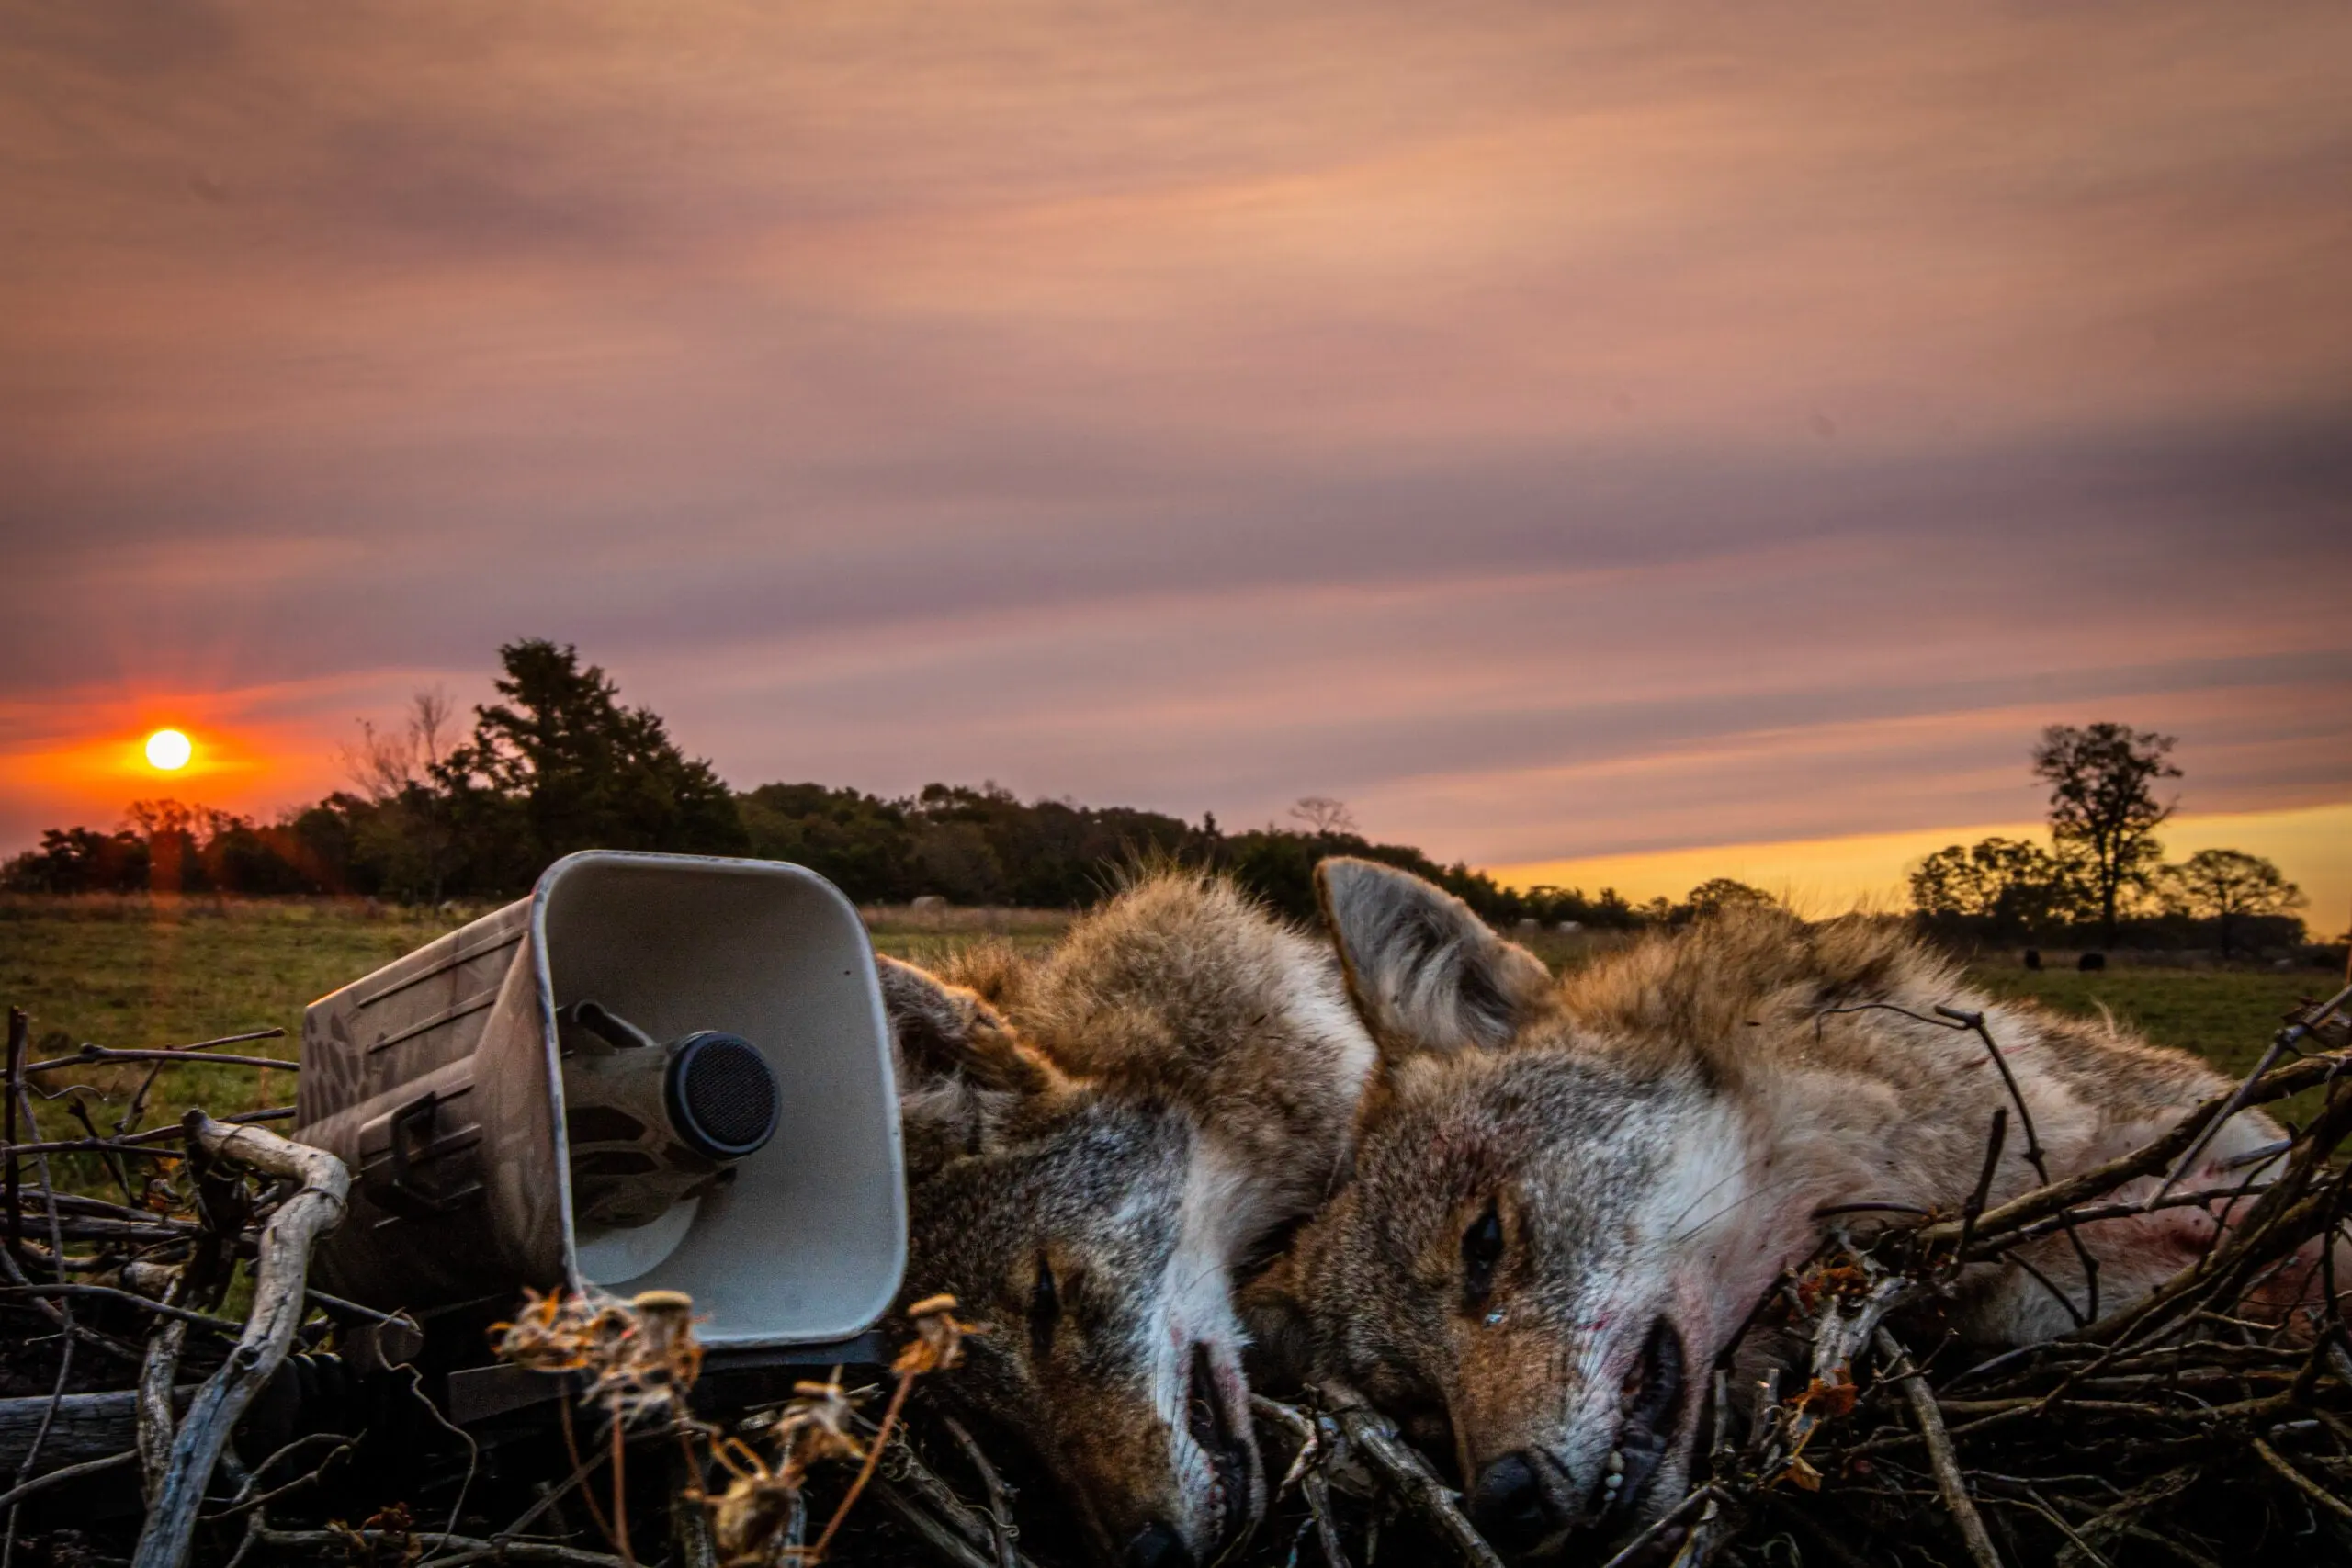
[[722, 1096]]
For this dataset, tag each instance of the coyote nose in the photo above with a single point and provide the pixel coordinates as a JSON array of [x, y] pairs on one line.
[[1510, 1505], [1156, 1546]]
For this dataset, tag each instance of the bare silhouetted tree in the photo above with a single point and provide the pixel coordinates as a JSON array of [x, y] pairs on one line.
[[1323, 815]]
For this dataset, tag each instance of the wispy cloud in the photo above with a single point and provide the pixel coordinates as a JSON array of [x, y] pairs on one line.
[[1562, 433]]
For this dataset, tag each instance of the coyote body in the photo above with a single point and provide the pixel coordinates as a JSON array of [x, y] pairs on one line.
[[1094, 1146], [1568, 1197]]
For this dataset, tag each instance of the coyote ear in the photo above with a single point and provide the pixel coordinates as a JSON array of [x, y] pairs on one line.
[[945, 1032], [1425, 972]]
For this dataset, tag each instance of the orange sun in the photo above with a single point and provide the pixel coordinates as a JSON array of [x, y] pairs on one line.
[[169, 749]]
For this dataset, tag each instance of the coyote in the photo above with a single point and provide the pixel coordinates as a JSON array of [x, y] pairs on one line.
[[1094, 1146], [1568, 1197]]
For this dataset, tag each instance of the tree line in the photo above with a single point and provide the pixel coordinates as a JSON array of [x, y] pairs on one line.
[[559, 763]]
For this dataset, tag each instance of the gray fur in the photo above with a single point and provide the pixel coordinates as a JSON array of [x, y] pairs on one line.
[[1136, 1115]]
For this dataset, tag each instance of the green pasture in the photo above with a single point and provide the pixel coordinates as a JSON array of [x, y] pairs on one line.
[[139, 972], [2226, 1016]]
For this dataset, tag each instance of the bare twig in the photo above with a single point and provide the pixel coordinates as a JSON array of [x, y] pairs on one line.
[[1372, 1435], [319, 1544], [2146, 1160], [89, 1056], [65, 1473], [2287, 1039], [1675, 1518], [1948, 1480], [129, 1298], [2034, 1157], [926, 1526], [1973, 1210], [1001, 1528], [2303, 1484]]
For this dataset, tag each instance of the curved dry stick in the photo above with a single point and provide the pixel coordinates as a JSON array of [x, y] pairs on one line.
[[2033, 1156], [283, 1264]]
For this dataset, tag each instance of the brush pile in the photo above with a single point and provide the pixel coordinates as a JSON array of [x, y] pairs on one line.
[[2206, 1424]]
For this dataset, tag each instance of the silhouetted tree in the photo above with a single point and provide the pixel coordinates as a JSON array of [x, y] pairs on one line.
[[1718, 894], [2103, 804], [2229, 887], [2007, 886], [1323, 815], [404, 834], [79, 860], [562, 766]]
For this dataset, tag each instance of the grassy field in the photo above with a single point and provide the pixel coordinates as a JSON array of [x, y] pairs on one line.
[[2226, 1016], [131, 972], [136, 972]]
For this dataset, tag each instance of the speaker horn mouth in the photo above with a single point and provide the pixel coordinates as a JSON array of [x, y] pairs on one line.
[[721, 1094]]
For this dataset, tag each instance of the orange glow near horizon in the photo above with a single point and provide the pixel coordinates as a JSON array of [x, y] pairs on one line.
[[169, 751], [1826, 876], [87, 763]]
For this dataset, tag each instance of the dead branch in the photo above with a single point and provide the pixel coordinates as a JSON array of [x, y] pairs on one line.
[[919, 1486], [1948, 1480], [926, 1526], [2287, 1039], [24, 1489], [278, 1305], [107, 1293], [1436, 1505], [89, 1056], [2146, 1160], [1001, 1528], [463, 1548], [2303, 1482]]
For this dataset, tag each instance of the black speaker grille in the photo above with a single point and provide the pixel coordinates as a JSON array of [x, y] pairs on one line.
[[727, 1094]]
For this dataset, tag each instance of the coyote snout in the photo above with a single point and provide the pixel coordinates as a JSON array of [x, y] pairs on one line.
[[1511, 1273], [1569, 1197], [1087, 1232], [1094, 1147]]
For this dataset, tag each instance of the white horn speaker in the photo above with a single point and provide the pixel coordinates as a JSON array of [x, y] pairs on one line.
[[657, 1071]]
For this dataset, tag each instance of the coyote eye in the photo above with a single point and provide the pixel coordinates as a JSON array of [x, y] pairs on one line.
[[1482, 1248], [1045, 1308]]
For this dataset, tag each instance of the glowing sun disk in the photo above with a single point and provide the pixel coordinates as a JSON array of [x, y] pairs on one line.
[[168, 750]]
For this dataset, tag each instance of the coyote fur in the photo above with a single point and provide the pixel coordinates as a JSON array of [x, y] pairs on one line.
[[1568, 1196], [1094, 1144]]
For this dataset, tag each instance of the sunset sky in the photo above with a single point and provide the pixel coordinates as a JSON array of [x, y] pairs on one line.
[[1616, 442]]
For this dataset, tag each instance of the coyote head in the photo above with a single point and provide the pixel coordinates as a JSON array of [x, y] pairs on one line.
[[1089, 1227], [1531, 1268]]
